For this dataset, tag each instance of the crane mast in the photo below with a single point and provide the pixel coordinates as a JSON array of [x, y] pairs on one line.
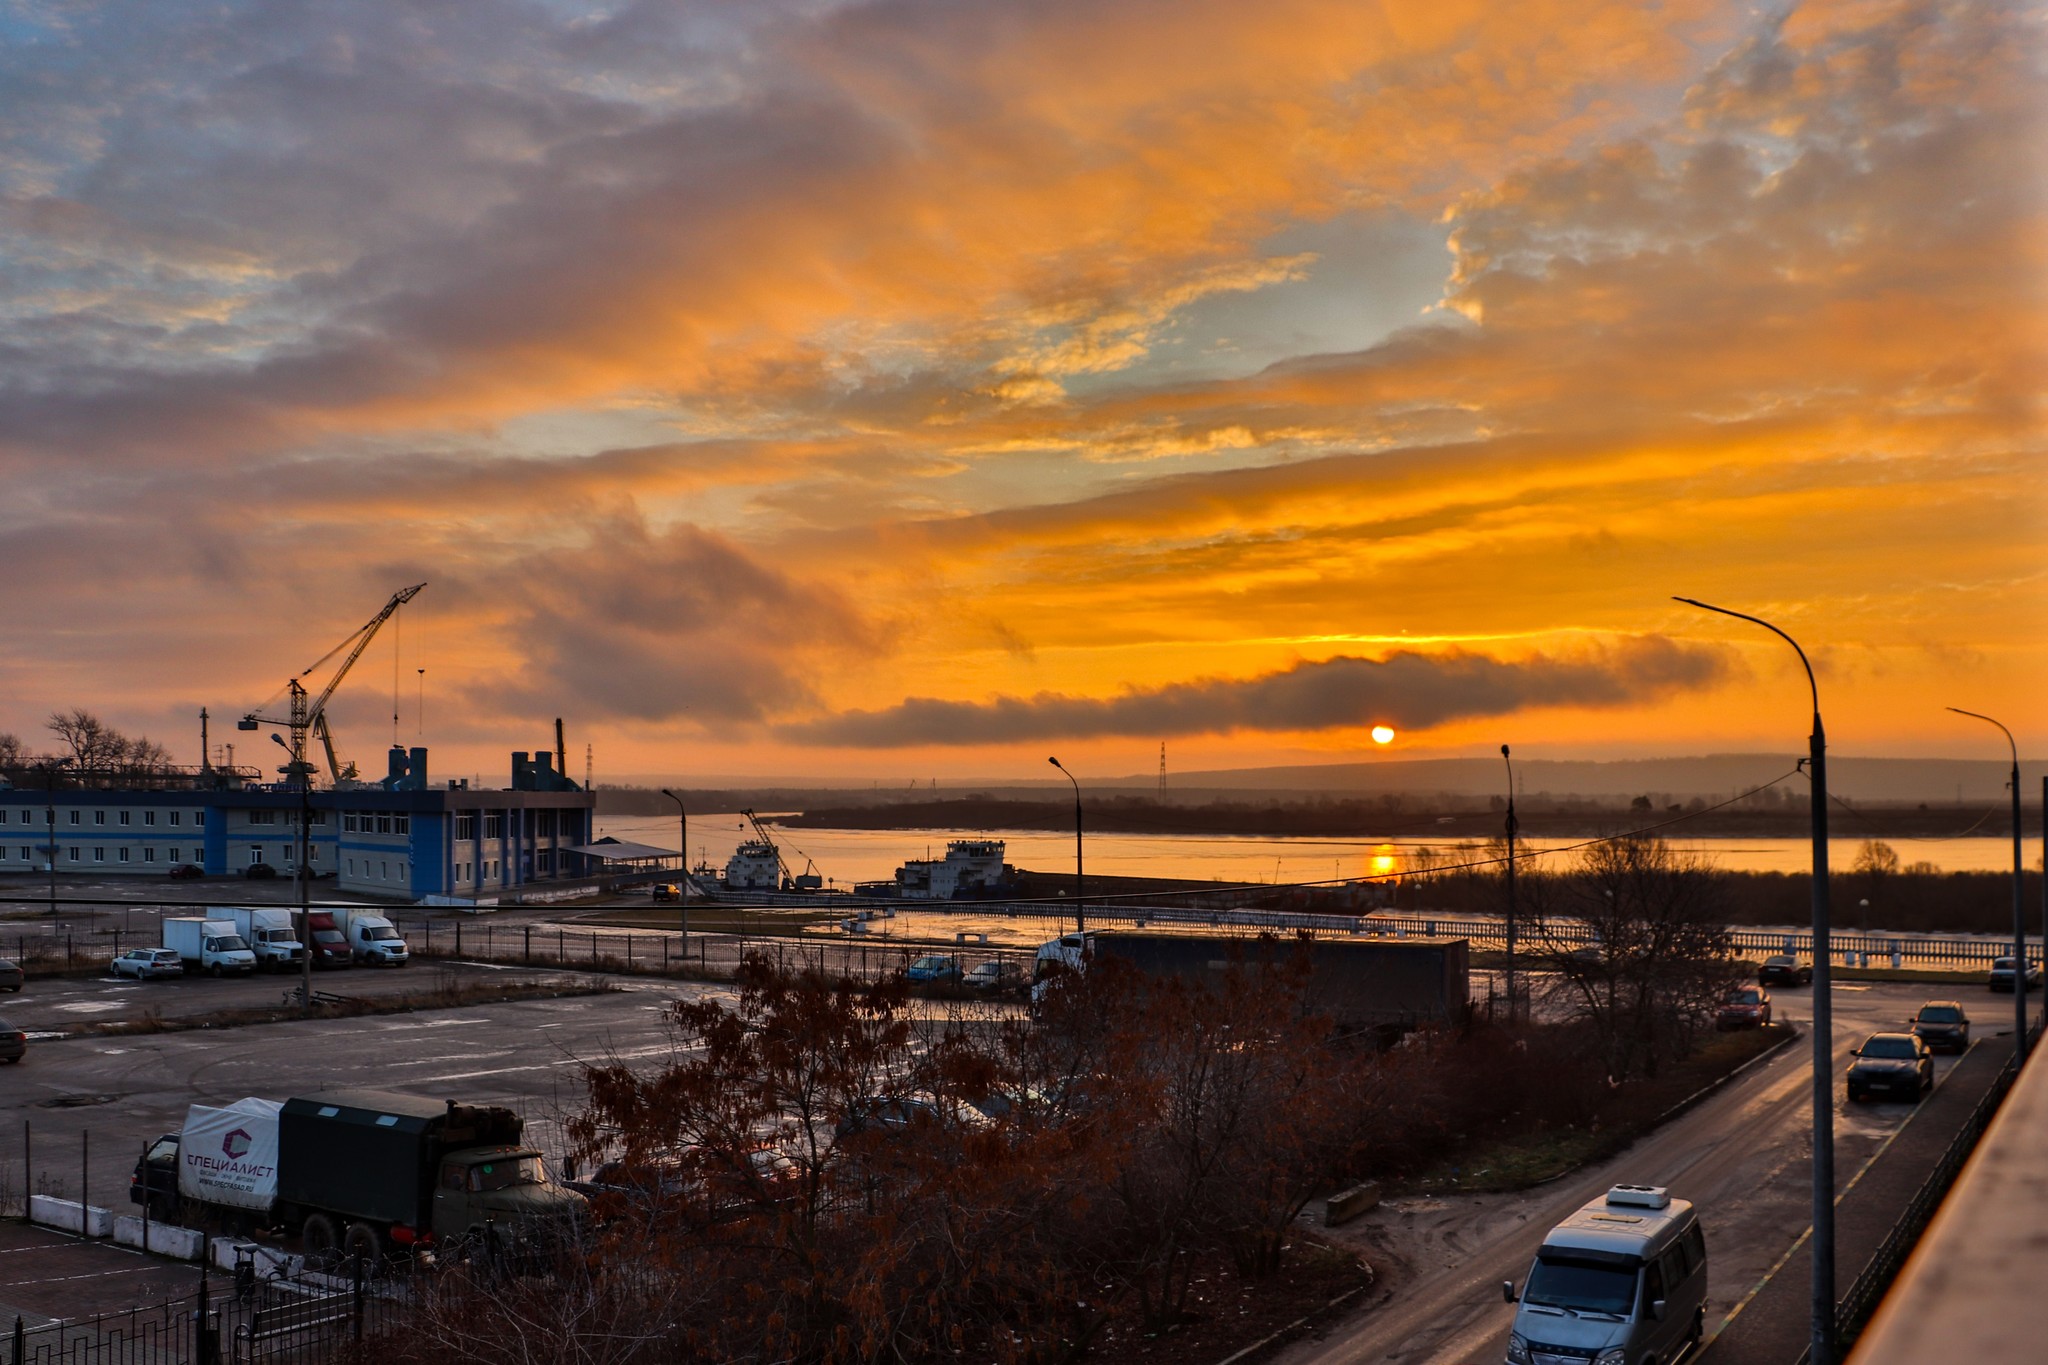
[[307, 714]]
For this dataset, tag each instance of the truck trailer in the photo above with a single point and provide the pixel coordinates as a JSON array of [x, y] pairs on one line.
[[1361, 983], [271, 934], [372, 939], [356, 1171], [213, 946]]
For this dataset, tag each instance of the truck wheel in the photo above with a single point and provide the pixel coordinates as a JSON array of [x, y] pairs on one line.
[[363, 1240], [319, 1239], [214, 971]]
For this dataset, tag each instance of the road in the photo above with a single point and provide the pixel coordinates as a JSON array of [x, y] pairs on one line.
[[1743, 1156]]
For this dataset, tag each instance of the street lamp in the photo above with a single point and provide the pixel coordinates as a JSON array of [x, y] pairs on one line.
[[50, 770], [2019, 924], [1822, 1323], [1080, 910], [683, 892], [303, 875], [1504, 758]]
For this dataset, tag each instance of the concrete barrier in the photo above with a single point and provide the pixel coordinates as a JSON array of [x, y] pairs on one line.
[[67, 1215], [270, 1263], [1342, 1208], [165, 1239]]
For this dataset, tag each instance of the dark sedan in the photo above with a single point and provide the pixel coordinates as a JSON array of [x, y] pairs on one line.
[[1783, 969], [1942, 1023], [1892, 1064], [1745, 1007], [13, 1043], [11, 975]]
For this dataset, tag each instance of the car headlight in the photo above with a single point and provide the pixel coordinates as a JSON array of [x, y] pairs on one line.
[[1616, 1356], [1518, 1349]]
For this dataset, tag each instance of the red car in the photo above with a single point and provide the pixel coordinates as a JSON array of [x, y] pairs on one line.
[[185, 872], [1745, 1007]]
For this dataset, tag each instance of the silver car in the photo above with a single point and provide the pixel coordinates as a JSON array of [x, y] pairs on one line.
[[145, 964]]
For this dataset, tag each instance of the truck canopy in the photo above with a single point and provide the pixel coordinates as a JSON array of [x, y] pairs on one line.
[[372, 1153], [228, 1155]]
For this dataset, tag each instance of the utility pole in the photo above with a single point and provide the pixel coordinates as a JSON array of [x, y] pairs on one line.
[[1080, 908], [1511, 880]]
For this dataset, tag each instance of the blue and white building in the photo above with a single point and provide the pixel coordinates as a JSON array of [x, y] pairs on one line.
[[399, 838]]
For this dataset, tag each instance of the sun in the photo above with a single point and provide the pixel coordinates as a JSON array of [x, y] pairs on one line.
[[1382, 734]]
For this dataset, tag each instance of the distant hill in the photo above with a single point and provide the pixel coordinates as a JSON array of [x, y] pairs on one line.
[[1909, 781], [1912, 780]]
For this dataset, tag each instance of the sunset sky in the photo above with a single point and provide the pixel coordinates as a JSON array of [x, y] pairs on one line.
[[910, 390]]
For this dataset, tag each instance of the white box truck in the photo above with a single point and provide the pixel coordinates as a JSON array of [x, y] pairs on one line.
[[372, 938], [271, 934], [213, 946]]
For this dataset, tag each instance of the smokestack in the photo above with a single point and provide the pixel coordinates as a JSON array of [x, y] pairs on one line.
[[561, 752], [205, 752]]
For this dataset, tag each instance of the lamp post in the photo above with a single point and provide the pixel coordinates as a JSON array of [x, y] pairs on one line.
[[1504, 758], [2019, 911], [50, 770], [683, 892], [1822, 1320], [1080, 910], [303, 876]]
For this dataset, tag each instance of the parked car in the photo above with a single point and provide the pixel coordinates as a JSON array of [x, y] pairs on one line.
[[11, 975], [903, 1113], [1745, 1007], [667, 891], [1942, 1023], [147, 964], [185, 872], [1783, 969], [1895, 1064], [933, 969], [13, 1043], [260, 872], [997, 977], [2002, 974]]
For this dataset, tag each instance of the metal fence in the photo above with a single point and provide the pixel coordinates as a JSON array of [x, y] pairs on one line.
[[311, 1320], [1856, 1307]]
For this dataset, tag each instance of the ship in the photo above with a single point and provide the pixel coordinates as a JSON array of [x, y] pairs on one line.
[[973, 869]]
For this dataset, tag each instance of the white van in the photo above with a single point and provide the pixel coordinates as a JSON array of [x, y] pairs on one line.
[[1623, 1281]]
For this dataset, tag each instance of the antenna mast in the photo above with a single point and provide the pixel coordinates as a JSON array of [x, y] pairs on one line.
[[1162, 772]]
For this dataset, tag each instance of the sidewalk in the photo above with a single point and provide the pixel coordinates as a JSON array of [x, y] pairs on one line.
[[1774, 1326]]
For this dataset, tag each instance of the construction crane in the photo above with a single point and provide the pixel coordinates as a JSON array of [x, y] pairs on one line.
[[809, 881], [308, 714]]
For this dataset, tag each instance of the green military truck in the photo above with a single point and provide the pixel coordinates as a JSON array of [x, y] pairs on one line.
[[359, 1171]]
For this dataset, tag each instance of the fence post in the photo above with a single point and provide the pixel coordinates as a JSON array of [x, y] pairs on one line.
[[458, 938], [562, 946], [629, 950], [357, 1276], [206, 1339], [527, 951], [28, 1167], [20, 1341], [84, 1177]]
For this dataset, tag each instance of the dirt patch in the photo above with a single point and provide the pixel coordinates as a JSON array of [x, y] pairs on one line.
[[1227, 1315]]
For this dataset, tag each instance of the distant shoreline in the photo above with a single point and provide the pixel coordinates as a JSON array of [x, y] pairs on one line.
[[1374, 819]]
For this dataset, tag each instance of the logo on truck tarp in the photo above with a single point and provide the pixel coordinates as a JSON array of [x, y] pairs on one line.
[[235, 1145]]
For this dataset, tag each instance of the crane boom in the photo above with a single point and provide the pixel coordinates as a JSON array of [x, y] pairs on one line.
[[311, 715]]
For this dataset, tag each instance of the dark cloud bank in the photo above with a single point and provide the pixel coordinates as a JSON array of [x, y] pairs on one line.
[[1407, 690]]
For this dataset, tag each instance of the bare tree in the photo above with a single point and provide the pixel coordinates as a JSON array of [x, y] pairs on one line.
[[1658, 960], [94, 744], [12, 753]]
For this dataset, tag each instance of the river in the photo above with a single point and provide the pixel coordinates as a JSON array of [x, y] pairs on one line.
[[846, 856]]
